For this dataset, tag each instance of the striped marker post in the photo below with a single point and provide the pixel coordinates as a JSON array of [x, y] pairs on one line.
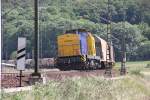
[[21, 52]]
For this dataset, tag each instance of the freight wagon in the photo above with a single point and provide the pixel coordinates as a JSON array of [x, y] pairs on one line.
[[79, 49]]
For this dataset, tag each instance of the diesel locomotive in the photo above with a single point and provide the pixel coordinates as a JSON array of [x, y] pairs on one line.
[[79, 49]]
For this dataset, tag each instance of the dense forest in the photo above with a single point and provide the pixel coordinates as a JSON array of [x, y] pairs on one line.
[[56, 16]]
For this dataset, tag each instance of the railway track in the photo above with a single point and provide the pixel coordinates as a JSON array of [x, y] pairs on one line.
[[9, 80]]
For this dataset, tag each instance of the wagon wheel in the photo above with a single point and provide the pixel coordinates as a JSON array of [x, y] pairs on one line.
[[87, 65], [98, 65]]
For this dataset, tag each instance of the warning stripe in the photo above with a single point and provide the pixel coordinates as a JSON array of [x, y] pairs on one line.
[[19, 51], [19, 57], [83, 58]]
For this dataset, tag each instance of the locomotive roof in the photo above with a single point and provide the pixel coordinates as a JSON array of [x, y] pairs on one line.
[[98, 38], [77, 30]]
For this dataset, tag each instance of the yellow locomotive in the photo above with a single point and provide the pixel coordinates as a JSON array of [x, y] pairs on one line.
[[80, 49]]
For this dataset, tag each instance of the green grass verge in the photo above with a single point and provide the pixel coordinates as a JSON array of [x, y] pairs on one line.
[[131, 87], [91, 88], [134, 64], [135, 67]]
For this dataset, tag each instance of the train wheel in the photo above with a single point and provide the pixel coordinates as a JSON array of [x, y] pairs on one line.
[[103, 65], [87, 65], [98, 65]]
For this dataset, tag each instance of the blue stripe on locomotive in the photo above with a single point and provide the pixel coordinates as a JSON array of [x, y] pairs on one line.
[[83, 43]]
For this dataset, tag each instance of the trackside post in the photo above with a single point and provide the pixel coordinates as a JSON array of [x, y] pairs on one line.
[[21, 52]]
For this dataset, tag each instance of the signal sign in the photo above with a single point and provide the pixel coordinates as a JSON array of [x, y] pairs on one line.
[[21, 53]]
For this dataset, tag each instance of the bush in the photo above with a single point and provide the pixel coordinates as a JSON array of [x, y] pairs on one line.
[[13, 55], [148, 65]]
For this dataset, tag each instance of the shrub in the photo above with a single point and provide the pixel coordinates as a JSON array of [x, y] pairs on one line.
[[148, 65]]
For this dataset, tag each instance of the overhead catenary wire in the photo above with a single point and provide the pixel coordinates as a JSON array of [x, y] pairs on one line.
[[107, 20], [3, 16], [102, 18], [15, 3], [123, 46]]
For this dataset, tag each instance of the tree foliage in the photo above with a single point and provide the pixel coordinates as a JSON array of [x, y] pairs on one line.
[[56, 16]]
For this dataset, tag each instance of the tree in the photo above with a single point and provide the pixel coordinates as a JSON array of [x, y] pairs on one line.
[[57, 16], [133, 39]]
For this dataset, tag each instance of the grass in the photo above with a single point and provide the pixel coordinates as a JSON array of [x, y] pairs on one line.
[[134, 64], [91, 88], [134, 86], [135, 67]]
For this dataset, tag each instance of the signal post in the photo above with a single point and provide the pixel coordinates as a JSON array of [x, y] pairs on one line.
[[36, 75]]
